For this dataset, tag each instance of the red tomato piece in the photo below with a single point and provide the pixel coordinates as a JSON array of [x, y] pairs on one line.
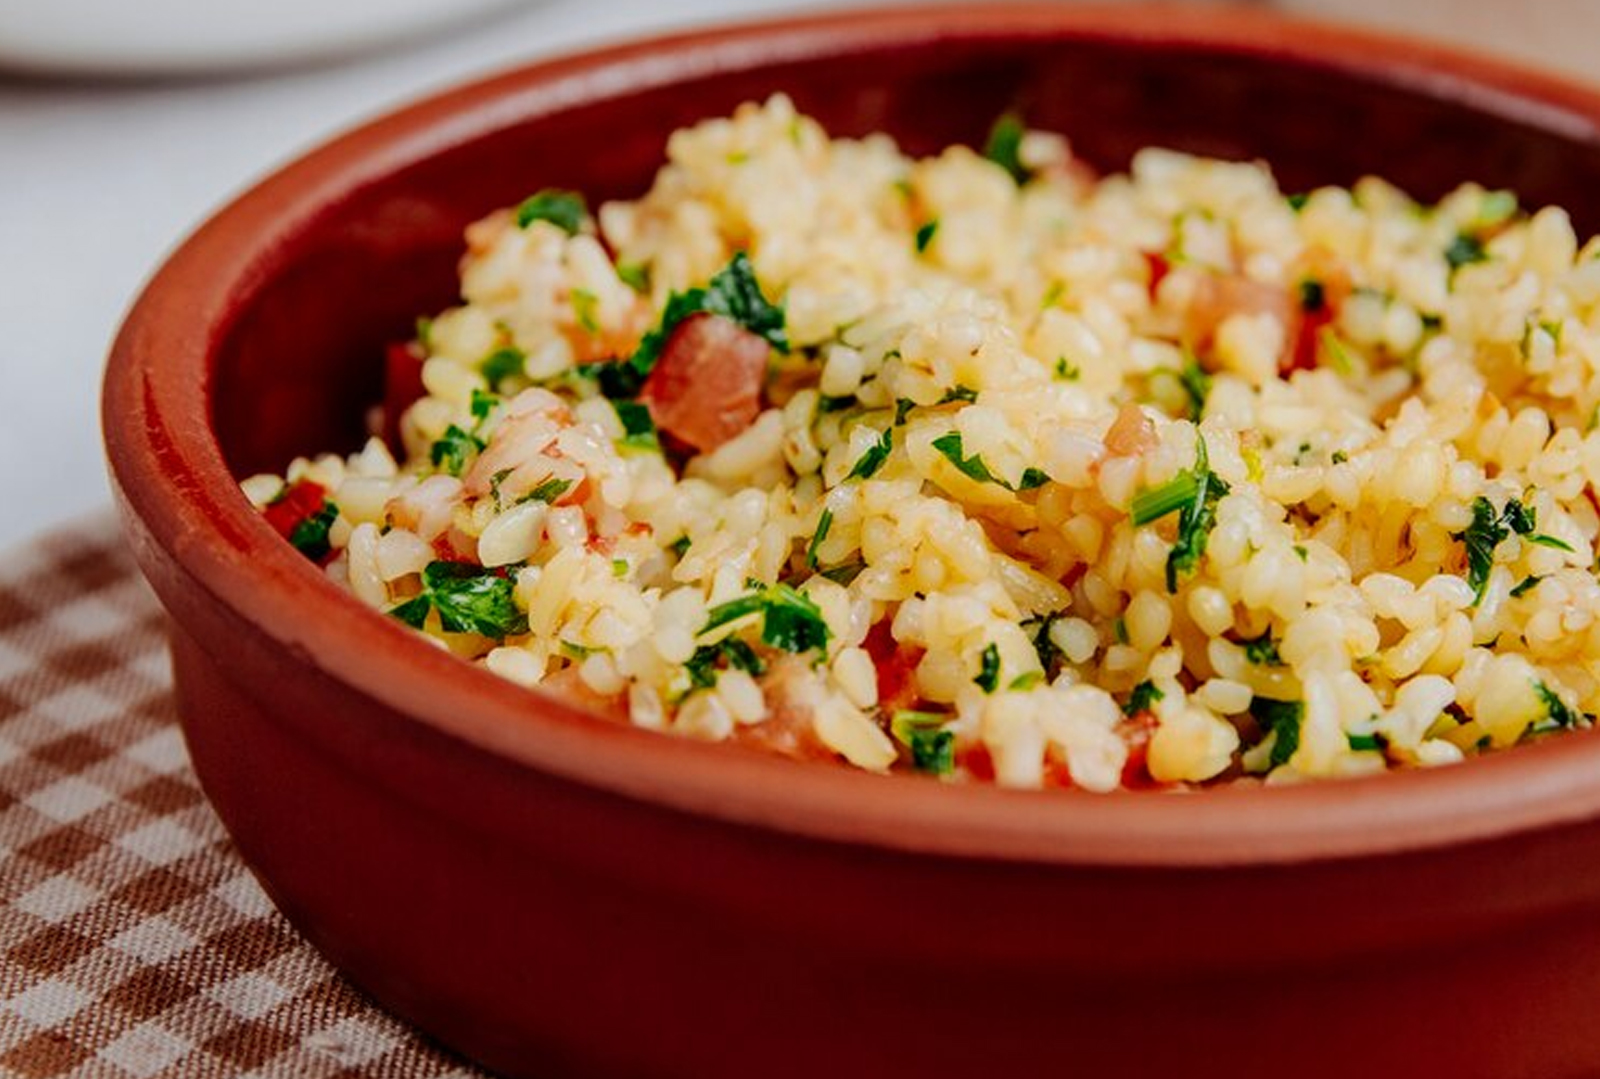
[[896, 665], [706, 387], [1137, 731], [298, 501]]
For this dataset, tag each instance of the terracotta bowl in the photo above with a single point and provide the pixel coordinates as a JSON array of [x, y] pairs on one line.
[[559, 896]]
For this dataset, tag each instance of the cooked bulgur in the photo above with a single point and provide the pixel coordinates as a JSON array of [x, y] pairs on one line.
[[984, 466]]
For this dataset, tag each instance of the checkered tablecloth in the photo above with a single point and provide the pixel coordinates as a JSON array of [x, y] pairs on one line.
[[133, 941]]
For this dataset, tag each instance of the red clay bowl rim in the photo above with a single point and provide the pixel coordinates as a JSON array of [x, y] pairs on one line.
[[169, 470]]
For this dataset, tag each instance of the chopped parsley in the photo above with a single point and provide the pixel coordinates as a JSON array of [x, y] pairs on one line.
[[638, 426], [469, 599], [1046, 649], [1004, 146], [1524, 586], [585, 306], [1558, 713], [1298, 200], [874, 458], [501, 364], [1464, 250], [564, 209], [826, 404], [964, 394], [902, 405], [634, 275], [974, 468], [925, 235], [679, 546], [1066, 371], [1281, 718], [1197, 384], [310, 534], [454, 449], [1193, 494], [1026, 680], [988, 677], [1486, 532], [789, 619], [1142, 698], [548, 491], [1545, 540], [1360, 743], [824, 523], [482, 404], [932, 749], [845, 572], [1262, 650], [734, 293], [1313, 297], [731, 653]]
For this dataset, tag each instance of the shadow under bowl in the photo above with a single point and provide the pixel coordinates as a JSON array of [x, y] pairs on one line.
[[556, 896]]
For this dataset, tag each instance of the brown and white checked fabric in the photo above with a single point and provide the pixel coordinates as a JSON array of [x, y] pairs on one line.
[[133, 942]]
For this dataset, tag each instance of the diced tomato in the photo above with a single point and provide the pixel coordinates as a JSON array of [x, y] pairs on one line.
[[788, 730], [1159, 268], [1057, 774], [1137, 731], [1326, 283], [977, 762], [896, 665], [402, 387], [1218, 297], [706, 386], [298, 501]]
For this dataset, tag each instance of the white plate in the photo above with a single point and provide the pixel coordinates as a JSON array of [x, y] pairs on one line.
[[150, 37]]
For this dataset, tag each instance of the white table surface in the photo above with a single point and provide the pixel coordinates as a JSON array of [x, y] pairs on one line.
[[99, 179]]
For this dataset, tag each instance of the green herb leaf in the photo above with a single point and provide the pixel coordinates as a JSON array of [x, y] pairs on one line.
[[1526, 585], [1298, 200], [482, 404], [310, 535], [501, 364], [1486, 532], [1262, 650], [1004, 145], [1043, 646], [639, 426], [564, 209], [1313, 297], [1464, 250], [679, 546], [972, 467], [932, 749], [1545, 540], [1197, 384], [708, 659], [453, 450], [824, 523], [1032, 478], [1026, 680], [1066, 371], [959, 393], [548, 491], [902, 406], [1558, 713], [845, 572], [874, 458], [925, 235], [585, 306], [826, 404], [469, 599], [1155, 503], [1142, 698], [634, 275], [1283, 719], [988, 677], [790, 620], [1360, 743]]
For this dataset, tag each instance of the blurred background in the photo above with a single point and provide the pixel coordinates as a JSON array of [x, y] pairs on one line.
[[123, 124]]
